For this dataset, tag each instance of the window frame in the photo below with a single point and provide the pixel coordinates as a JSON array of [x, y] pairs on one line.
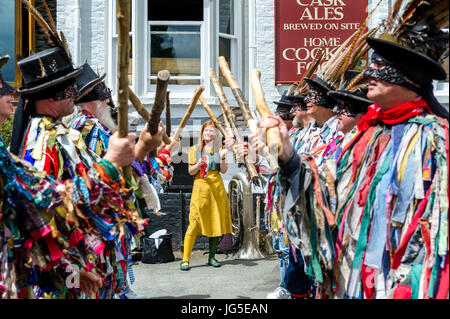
[[173, 87], [142, 43], [237, 65]]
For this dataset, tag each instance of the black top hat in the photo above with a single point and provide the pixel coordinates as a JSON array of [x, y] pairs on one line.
[[418, 67], [6, 88], [285, 100], [44, 70], [323, 88], [357, 98], [86, 81], [320, 84]]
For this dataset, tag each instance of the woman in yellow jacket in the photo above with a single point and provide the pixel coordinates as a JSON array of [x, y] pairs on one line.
[[209, 209]]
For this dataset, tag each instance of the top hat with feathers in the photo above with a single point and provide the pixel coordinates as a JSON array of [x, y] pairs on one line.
[[413, 42], [50, 67]]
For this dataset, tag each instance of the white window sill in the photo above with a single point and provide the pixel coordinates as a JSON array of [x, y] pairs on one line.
[[179, 98], [441, 92]]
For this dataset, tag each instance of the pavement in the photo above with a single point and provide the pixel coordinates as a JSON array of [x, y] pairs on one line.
[[235, 279]]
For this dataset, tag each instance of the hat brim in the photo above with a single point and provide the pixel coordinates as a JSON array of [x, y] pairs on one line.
[[317, 84], [50, 83], [91, 84], [3, 60], [406, 59], [87, 88], [345, 95], [282, 103]]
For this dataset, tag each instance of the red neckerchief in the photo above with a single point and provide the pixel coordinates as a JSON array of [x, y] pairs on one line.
[[393, 116]]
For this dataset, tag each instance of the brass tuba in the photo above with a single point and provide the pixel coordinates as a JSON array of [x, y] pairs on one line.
[[243, 219]]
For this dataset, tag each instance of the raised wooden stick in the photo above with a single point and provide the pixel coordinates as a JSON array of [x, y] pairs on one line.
[[140, 108], [189, 111], [160, 101], [237, 92], [213, 117], [123, 30], [168, 119], [273, 134], [229, 115]]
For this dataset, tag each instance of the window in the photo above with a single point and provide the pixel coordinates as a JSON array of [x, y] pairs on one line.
[[183, 37], [228, 36], [176, 33]]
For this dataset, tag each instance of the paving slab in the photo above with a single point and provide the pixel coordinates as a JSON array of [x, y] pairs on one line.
[[235, 279]]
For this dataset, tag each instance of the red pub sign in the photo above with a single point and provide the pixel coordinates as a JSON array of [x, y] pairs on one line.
[[302, 27]]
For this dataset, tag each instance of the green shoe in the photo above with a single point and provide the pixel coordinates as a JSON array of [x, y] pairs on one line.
[[185, 265], [213, 262]]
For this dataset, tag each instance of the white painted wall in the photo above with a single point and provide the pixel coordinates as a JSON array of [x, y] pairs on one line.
[[93, 30]]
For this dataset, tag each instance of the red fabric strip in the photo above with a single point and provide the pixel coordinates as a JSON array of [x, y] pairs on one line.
[[75, 238], [53, 248], [368, 281], [403, 292], [318, 193]]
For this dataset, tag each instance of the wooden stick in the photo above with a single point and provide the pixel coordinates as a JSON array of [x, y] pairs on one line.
[[237, 92], [123, 27], [168, 119], [160, 101], [273, 134], [123, 30], [189, 111], [213, 117], [228, 114], [140, 108]]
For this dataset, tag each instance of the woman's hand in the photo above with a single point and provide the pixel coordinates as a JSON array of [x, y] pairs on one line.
[[242, 151], [229, 142], [223, 152]]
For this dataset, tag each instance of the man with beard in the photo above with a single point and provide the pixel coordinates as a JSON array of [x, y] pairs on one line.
[[96, 124], [44, 141], [33, 203]]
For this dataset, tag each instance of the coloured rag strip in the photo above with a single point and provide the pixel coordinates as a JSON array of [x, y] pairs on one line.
[[56, 218]]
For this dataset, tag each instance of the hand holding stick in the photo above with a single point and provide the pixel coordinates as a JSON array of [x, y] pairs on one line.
[[229, 115], [272, 134], [144, 113]]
